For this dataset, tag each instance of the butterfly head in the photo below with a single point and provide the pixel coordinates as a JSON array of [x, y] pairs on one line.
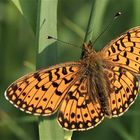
[[87, 50]]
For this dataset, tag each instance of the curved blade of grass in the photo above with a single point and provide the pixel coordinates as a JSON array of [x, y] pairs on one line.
[[95, 19], [17, 4], [68, 135], [94, 23], [47, 55], [28, 9], [136, 11]]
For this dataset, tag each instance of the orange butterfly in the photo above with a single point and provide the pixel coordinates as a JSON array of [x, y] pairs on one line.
[[102, 84]]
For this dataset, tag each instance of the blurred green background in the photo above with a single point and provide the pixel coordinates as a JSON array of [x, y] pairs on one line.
[[18, 56]]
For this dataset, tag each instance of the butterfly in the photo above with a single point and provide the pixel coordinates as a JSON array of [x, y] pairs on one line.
[[101, 84]]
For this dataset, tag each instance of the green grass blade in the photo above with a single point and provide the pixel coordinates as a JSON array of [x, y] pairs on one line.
[[47, 55], [18, 5], [89, 32], [94, 23], [68, 135], [28, 9], [95, 19], [136, 11]]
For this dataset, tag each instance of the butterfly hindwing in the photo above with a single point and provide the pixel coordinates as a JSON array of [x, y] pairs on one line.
[[79, 111], [125, 50], [123, 89], [42, 92]]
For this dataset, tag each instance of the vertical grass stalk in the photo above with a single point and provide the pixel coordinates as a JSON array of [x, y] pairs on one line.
[[47, 55], [95, 19]]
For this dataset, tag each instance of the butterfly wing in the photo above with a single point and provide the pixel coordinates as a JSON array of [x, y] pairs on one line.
[[42, 92], [123, 89], [79, 111], [125, 50]]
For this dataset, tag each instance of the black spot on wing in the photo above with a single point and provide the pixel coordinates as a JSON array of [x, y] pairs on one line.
[[55, 84], [118, 46], [44, 88], [113, 49], [129, 36], [131, 49], [127, 61], [125, 54], [116, 59], [36, 76], [118, 89], [57, 74], [64, 70], [59, 93], [68, 80], [50, 75], [71, 70], [122, 44]]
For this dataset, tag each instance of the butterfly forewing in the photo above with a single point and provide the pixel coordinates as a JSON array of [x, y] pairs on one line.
[[42, 92], [125, 50]]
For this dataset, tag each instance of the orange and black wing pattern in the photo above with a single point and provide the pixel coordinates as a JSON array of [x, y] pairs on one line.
[[42, 92], [125, 50], [79, 111], [123, 89]]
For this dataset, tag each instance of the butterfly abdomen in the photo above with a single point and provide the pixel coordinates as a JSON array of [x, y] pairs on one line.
[[101, 86]]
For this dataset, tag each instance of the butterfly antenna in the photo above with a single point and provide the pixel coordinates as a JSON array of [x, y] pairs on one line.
[[61, 41], [109, 25]]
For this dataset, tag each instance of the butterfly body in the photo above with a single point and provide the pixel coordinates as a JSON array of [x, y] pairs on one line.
[[101, 84], [94, 66]]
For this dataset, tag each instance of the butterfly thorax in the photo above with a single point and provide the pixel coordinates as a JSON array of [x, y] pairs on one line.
[[95, 68]]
